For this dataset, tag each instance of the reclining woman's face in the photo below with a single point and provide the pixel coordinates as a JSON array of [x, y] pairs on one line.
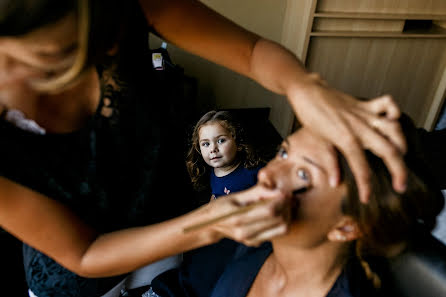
[[317, 211]]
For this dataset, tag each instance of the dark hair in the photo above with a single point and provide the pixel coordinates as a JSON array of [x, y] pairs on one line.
[[197, 167], [387, 221]]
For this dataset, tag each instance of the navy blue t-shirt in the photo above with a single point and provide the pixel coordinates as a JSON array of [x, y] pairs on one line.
[[240, 179]]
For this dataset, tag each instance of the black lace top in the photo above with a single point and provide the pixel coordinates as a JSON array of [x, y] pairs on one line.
[[117, 171]]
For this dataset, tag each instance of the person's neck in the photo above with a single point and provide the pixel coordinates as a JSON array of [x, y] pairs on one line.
[[68, 111], [223, 171], [64, 111], [311, 271]]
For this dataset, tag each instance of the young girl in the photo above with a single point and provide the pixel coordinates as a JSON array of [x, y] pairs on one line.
[[222, 158], [220, 150]]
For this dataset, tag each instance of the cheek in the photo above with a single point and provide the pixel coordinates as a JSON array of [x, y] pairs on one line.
[[20, 90], [323, 208], [203, 151], [230, 149]]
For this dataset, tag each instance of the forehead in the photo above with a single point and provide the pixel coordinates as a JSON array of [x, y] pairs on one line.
[[300, 142], [212, 130]]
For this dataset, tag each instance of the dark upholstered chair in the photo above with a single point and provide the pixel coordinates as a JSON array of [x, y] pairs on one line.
[[421, 270]]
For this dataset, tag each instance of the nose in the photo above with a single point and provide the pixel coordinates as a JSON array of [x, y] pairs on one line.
[[282, 176], [265, 178], [274, 176], [214, 148]]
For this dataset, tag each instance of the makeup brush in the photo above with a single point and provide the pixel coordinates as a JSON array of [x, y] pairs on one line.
[[225, 216], [242, 209]]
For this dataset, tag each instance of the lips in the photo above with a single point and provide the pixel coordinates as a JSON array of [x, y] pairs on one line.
[[215, 158]]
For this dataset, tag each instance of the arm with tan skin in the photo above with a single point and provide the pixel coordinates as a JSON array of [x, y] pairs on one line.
[[350, 125], [53, 229]]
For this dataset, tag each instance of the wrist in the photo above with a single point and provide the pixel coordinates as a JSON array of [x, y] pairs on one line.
[[305, 84], [303, 89], [205, 235]]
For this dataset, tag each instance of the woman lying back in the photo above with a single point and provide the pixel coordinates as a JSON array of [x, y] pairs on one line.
[[331, 236]]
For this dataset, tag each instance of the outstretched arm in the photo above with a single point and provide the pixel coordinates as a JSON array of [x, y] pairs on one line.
[[54, 230], [350, 125]]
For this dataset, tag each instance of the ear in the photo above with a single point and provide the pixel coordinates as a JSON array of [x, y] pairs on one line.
[[345, 230]]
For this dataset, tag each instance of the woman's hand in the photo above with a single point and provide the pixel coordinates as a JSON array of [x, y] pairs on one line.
[[351, 126], [260, 223]]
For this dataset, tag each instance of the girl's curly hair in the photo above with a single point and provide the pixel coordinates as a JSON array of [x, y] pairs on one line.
[[246, 155]]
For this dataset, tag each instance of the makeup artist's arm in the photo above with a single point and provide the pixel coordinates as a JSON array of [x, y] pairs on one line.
[[54, 230], [350, 125]]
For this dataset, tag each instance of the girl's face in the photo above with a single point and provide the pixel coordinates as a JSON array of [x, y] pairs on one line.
[[43, 53], [217, 146], [317, 210]]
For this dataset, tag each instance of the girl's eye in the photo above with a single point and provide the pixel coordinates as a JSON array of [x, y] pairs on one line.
[[221, 140], [205, 144], [303, 174], [282, 153]]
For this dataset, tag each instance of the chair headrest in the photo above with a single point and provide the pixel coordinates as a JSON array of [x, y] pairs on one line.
[[421, 270]]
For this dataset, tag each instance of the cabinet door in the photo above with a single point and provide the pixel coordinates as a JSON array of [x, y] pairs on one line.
[[373, 47], [408, 69]]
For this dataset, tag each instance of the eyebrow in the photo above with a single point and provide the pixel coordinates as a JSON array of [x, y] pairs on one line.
[[308, 160], [311, 162], [205, 139]]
